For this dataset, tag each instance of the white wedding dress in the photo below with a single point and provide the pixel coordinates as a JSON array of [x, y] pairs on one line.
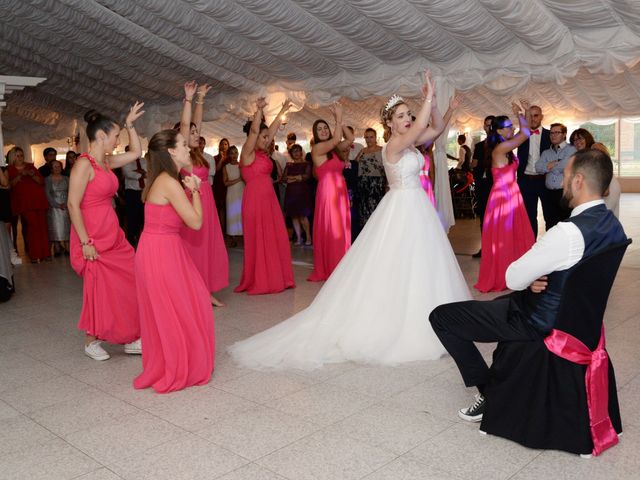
[[375, 306]]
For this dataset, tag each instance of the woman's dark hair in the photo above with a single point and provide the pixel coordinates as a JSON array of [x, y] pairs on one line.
[[247, 126], [314, 129], [98, 122], [371, 130], [582, 133], [231, 147], [495, 138], [220, 144], [159, 157], [177, 126], [293, 147]]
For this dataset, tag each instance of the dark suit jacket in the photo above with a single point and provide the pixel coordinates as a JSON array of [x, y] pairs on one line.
[[523, 151]]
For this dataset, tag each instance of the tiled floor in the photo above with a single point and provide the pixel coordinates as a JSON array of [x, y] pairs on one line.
[[64, 416]]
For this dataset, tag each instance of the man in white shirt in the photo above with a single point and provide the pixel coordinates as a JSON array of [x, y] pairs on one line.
[[355, 147], [529, 313], [202, 143]]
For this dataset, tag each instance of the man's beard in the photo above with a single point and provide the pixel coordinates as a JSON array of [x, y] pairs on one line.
[[567, 197]]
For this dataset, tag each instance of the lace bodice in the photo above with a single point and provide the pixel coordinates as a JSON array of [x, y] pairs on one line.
[[406, 173]]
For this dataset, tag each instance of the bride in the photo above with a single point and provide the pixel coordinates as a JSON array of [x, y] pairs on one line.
[[375, 306]]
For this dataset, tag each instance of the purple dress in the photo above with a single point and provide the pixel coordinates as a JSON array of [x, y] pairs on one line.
[[298, 199]]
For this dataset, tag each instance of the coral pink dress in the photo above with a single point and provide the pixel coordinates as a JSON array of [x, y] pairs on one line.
[[331, 220], [206, 246], [109, 305], [506, 230], [176, 316], [267, 254]]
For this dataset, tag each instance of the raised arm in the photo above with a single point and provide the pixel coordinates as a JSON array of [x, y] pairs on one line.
[[199, 108], [275, 125], [248, 152], [185, 118], [523, 132], [135, 149], [399, 142]]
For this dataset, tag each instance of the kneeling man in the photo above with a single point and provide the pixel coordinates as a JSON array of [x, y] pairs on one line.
[[537, 277]]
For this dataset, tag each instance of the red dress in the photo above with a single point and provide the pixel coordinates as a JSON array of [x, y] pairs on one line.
[[109, 305], [267, 254], [176, 317], [29, 201], [506, 230], [331, 220], [206, 246]]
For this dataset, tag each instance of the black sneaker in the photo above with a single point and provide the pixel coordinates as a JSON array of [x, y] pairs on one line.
[[475, 411]]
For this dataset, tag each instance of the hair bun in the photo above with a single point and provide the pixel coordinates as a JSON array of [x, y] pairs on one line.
[[91, 116], [247, 127]]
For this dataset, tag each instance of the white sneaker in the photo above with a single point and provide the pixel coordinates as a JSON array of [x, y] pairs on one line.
[[133, 348], [95, 351], [15, 259]]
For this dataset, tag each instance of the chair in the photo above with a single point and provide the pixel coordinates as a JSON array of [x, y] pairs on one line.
[[463, 193], [539, 399]]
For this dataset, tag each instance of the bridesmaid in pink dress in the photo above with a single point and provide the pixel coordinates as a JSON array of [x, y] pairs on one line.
[[206, 245], [332, 216], [506, 230], [175, 311], [267, 253], [100, 254]]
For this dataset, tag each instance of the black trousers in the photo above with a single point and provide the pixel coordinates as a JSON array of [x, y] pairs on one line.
[[532, 188], [459, 324], [553, 210], [135, 215], [483, 188]]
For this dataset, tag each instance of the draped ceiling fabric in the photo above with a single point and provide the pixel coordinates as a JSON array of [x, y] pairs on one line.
[[576, 58]]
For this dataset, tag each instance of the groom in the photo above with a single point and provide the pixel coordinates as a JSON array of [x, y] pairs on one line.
[[538, 277]]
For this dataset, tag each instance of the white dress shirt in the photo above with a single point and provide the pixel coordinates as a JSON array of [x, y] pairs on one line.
[[355, 150], [131, 177], [534, 152], [559, 249]]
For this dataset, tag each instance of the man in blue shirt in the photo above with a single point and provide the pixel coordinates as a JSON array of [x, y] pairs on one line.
[[551, 164]]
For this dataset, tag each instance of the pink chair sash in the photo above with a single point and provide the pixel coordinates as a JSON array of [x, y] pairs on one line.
[[596, 381]]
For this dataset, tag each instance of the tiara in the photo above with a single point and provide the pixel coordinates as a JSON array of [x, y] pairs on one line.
[[393, 101]]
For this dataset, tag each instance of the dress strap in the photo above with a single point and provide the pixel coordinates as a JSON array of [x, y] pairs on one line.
[[92, 160]]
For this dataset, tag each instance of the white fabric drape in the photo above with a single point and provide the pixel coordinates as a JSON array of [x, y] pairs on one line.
[[576, 58]]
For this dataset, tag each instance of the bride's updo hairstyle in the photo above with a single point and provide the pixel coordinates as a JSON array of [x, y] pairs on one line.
[[98, 122], [387, 112]]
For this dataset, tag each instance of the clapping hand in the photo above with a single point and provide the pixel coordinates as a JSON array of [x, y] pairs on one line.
[[428, 89], [261, 102], [515, 108], [190, 89], [192, 182], [134, 113], [203, 89]]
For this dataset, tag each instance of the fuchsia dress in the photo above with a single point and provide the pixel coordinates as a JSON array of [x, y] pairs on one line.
[[267, 254], [109, 305], [331, 220], [175, 311], [206, 246], [506, 230]]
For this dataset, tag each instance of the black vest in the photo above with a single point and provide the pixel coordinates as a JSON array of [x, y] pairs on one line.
[[600, 229]]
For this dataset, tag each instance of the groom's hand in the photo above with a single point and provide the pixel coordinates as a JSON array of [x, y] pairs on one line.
[[539, 285]]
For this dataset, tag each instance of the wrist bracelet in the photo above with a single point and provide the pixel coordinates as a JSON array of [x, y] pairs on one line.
[[187, 100], [128, 125], [199, 103], [195, 190], [89, 242]]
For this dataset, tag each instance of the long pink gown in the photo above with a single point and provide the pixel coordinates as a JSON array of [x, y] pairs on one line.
[[109, 306], [331, 220], [175, 311], [506, 230], [267, 253], [206, 246]]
